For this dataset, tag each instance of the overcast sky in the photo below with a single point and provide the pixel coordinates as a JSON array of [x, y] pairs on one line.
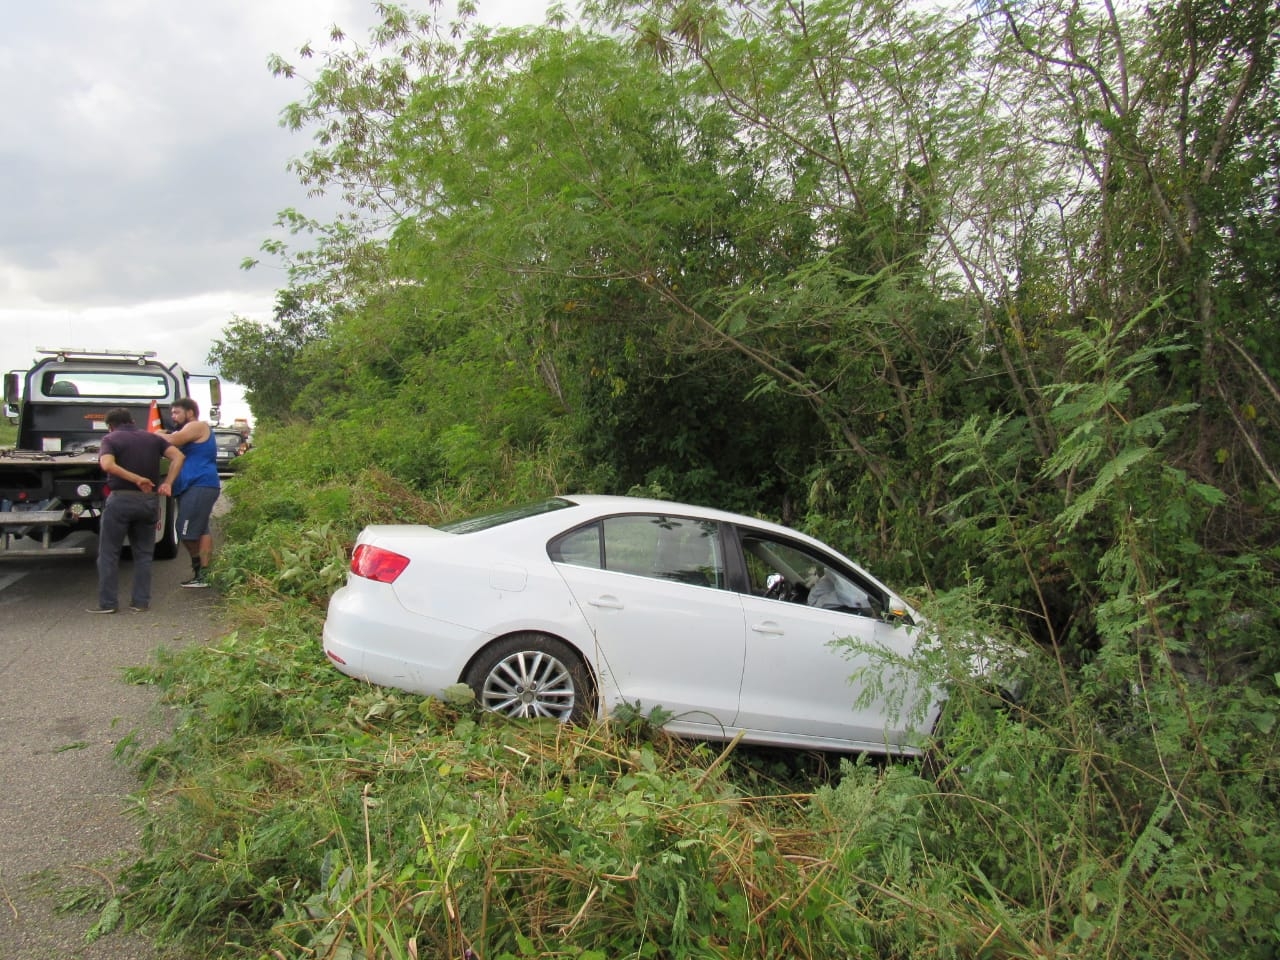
[[141, 160]]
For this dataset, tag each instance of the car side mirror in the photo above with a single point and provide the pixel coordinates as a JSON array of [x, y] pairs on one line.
[[895, 611]]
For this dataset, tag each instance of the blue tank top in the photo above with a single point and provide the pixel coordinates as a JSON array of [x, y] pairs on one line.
[[200, 469]]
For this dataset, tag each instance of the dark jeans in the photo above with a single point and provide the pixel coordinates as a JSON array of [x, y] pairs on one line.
[[133, 514]]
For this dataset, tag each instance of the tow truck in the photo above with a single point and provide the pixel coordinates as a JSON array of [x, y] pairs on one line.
[[50, 483]]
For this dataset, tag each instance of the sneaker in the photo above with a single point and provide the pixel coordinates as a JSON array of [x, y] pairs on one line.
[[139, 607], [101, 610], [197, 581]]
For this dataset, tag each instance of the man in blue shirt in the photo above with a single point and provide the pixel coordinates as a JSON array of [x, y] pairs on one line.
[[131, 460], [198, 488]]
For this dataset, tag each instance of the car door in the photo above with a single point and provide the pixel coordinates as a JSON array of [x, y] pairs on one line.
[[668, 633], [801, 679]]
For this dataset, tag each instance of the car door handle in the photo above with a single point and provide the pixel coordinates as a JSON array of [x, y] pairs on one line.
[[607, 602], [768, 626]]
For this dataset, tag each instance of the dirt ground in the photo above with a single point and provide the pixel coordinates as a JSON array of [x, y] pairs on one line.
[[64, 708]]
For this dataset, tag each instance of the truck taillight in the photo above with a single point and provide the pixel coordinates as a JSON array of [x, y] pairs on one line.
[[374, 563]]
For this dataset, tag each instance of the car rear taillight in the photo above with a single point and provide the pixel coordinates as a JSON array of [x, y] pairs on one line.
[[374, 563]]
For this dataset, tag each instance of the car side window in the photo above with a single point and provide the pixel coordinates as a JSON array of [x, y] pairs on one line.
[[579, 547], [648, 545], [780, 570]]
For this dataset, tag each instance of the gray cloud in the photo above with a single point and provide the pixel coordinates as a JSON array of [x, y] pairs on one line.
[[141, 160], [143, 156]]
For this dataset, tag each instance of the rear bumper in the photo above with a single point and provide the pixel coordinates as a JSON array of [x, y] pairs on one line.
[[370, 636]]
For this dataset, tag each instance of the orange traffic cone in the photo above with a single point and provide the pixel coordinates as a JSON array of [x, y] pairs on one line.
[[154, 424]]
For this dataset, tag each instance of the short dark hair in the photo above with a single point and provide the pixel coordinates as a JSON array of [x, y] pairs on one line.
[[117, 416], [189, 405]]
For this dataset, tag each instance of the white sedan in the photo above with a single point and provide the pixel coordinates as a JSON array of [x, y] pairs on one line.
[[568, 607]]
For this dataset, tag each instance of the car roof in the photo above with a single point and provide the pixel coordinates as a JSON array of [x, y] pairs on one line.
[[604, 504], [594, 506]]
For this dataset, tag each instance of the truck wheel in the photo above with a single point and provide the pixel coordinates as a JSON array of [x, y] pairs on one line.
[[167, 530]]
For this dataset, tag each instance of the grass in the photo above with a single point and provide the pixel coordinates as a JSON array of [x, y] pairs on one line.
[[396, 820], [295, 813]]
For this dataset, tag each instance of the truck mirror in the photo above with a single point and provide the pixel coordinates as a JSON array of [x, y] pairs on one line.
[[215, 400], [12, 391]]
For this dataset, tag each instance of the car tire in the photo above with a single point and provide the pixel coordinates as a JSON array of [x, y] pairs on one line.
[[532, 675]]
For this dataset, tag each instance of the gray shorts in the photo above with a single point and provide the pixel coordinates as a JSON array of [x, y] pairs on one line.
[[195, 506]]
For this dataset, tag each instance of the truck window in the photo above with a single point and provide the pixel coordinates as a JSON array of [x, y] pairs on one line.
[[121, 385]]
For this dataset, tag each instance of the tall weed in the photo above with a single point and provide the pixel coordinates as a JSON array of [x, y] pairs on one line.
[[1126, 801], [1119, 806]]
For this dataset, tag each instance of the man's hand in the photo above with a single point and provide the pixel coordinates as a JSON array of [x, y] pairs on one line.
[[146, 484], [165, 489]]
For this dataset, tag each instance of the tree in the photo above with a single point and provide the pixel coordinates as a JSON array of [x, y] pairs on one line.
[[1013, 267], [269, 359]]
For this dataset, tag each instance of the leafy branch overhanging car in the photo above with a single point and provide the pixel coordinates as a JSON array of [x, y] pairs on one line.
[[570, 606]]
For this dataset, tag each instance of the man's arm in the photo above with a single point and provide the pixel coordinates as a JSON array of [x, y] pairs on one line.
[[109, 466], [196, 430], [175, 457]]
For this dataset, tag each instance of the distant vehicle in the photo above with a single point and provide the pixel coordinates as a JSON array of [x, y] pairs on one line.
[[50, 481], [572, 606], [231, 446]]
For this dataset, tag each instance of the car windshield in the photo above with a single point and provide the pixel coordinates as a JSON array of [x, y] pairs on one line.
[[497, 518]]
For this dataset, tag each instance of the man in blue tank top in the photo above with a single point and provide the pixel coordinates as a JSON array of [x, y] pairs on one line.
[[197, 487]]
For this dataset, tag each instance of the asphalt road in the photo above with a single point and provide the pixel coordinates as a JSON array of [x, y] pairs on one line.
[[63, 710]]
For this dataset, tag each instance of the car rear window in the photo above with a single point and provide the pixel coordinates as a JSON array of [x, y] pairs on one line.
[[497, 518]]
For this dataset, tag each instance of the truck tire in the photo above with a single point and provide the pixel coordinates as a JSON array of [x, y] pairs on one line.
[[167, 530]]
